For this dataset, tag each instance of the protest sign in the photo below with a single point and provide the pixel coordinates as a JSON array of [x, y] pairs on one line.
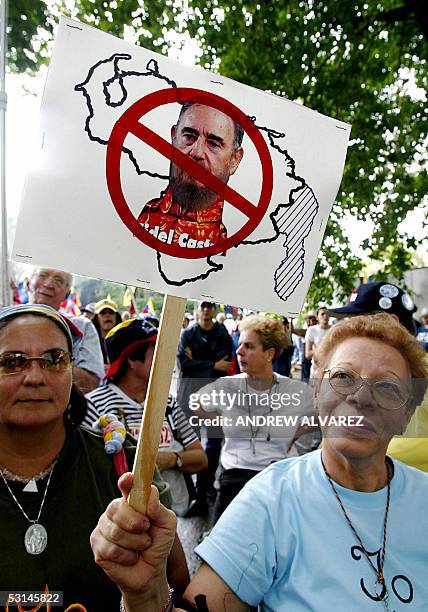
[[109, 196], [164, 176]]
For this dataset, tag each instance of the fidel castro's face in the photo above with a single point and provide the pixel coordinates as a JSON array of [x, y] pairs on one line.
[[206, 135]]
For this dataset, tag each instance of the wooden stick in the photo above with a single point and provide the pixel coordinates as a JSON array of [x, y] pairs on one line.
[[156, 400]]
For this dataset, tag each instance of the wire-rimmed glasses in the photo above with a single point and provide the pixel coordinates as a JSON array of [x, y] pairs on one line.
[[388, 393]]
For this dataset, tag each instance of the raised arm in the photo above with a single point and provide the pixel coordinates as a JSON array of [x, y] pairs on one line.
[[133, 550]]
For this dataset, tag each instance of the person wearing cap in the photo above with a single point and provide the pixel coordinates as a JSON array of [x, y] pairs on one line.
[[55, 476], [422, 331], [51, 287], [88, 311], [130, 347], [106, 317], [205, 353], [412, 447], [150, 318], [380, 296]]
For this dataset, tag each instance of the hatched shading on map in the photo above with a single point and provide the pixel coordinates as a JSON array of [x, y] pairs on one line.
[[295, 223], [183, 181]]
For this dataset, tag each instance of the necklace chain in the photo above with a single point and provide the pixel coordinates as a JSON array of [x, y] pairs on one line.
[[25, 479], [44, 494], [254, 434], [379, 573]]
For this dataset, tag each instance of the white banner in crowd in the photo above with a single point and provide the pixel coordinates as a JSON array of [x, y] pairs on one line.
[[165, 176]]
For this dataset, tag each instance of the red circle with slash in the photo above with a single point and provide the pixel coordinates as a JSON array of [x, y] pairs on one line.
[[129, 123]]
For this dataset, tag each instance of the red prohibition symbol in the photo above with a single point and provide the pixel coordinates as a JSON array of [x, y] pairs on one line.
[[129, 123]]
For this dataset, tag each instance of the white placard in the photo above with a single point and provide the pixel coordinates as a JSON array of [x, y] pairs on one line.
[[105, 151]]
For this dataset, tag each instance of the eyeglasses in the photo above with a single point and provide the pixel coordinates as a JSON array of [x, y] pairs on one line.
[[55, 360], [106, 311], [389, 394], [56, 280]]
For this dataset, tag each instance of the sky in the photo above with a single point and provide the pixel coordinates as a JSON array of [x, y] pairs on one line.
[[22, 120]]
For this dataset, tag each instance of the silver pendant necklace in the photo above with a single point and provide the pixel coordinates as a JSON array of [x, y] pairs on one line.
[[36, 536]]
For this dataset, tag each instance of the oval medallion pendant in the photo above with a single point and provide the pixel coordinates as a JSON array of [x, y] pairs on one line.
[[36, 539]]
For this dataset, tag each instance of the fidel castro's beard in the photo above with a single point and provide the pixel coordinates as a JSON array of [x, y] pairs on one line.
[[189, 194]]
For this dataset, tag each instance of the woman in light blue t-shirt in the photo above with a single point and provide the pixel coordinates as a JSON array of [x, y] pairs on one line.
[[342, 528]]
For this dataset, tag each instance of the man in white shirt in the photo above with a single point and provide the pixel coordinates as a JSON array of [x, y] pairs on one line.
[[315, 333]]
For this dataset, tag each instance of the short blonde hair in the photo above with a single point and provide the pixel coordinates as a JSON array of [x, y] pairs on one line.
[[386, 329], [271, 332]]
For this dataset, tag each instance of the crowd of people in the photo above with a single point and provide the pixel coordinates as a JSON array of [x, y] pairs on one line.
[[316, 531], [291, 439]]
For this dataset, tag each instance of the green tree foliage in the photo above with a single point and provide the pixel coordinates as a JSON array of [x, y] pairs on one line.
[[359, 61], [29, 30], [31, 24], [352, 60]]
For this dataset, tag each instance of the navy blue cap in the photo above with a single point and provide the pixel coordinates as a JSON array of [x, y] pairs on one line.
[[379, 297]]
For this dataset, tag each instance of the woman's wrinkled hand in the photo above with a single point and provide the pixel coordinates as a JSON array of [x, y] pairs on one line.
[[133, 548]]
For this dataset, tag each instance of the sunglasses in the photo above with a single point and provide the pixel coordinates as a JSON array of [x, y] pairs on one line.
[[55, 360]]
